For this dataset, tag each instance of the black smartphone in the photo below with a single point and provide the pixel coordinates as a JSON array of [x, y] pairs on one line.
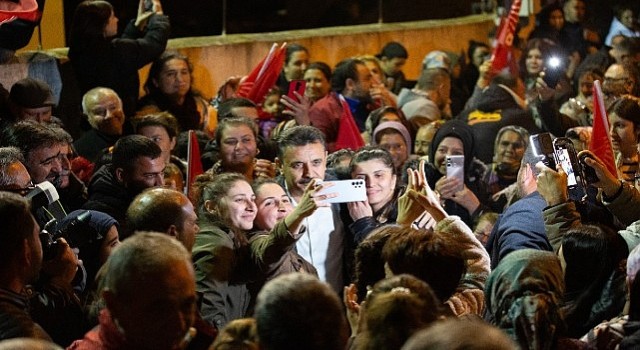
[[565, 154], [553, 71], [148, 5], [589, 172], [542, 145]]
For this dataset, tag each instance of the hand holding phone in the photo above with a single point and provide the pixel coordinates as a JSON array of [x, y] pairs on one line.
[[455, 169], [353, 190]]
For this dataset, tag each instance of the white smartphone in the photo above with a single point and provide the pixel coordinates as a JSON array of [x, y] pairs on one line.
[[455, 168], [353, 190]]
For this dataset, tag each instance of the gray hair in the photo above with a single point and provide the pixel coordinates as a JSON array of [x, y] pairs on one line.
[[95, 94], [8, 157]]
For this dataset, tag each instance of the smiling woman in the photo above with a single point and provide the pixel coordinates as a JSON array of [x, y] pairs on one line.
[[225, 261], [375, 166]]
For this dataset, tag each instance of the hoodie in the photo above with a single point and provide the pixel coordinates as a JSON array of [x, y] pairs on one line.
[[496, 107]]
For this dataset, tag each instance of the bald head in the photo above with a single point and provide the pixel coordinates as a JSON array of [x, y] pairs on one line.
[[618, 80], [164, 210]]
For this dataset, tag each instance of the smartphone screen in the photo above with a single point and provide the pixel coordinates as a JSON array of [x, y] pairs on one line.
[[562, 156], [298, 86]]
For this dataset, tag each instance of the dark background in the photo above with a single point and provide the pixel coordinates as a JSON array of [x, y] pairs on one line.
[[204, 17]]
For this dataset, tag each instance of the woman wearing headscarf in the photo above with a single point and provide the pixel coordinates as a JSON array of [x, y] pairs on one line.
[[456, 138], [522, 298]]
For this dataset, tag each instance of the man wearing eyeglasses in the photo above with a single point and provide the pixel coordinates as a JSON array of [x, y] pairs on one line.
[[14, 177]]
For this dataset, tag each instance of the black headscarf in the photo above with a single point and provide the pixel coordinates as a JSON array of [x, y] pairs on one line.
[[459, 130]]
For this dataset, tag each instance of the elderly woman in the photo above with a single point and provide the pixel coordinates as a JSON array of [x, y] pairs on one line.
[[501, 175], [395, 138]]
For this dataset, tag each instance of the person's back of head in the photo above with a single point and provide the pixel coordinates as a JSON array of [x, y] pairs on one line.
[[369, 264], [89, 21], [590, 253], [460, 334], [523, 296], [297, 311], [226, 108], [431, 257], [149, 290], [396, 308], [28, 343], [156, 210], [430, 79], [18, 227], [240, 334], [301, 135], [9, 156]]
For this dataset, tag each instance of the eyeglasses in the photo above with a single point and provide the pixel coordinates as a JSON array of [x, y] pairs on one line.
[[21, 191]]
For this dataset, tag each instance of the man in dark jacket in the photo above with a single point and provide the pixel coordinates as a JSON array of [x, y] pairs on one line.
[[21, 262], [18, 267], [136, 165]]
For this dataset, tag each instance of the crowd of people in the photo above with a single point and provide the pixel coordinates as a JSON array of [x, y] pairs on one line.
[[108, 245]]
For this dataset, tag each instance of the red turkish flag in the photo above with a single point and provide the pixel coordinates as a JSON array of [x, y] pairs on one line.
[[600, 144], [264, 76], [194, 164], [501, 55]]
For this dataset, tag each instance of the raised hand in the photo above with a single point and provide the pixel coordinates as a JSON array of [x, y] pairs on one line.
[[552, 185], [408, 209], [298, 109], [608, 182]]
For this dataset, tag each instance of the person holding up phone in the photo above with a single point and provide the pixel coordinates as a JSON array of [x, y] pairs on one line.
[[465, 197], [375, 166], [100, 58]]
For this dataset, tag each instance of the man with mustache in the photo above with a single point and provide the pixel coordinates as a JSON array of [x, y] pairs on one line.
[[302, 156], [46, 150]]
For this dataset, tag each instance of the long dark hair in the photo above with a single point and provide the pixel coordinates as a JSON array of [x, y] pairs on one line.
[[592, 254], [89, 21], [158, 65]]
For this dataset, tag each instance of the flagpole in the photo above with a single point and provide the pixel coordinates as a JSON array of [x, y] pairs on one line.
[[224, 17]]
